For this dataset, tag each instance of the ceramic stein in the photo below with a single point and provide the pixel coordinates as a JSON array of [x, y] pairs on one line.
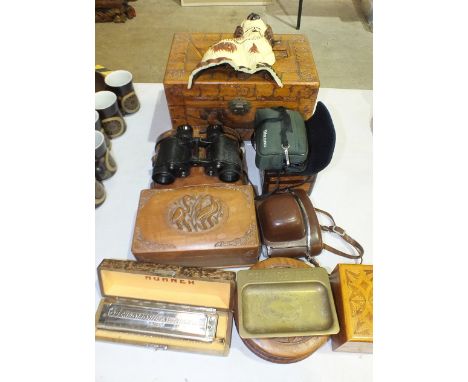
[[98, 127], [99, 193], [105, 165], [120, 83], [109, 113]]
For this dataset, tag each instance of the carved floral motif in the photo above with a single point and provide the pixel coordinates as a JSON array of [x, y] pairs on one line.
[[196, 213]]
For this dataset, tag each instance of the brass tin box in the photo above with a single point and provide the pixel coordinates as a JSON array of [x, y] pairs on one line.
[[285, 302], [352, 286], [165, 306]]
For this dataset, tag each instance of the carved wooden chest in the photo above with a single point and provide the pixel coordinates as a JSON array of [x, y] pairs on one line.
[[166, 306], [222, 95], [352, 286], [213, 226]]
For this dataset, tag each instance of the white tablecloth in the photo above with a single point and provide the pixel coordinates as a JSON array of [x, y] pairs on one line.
[[344, 189]]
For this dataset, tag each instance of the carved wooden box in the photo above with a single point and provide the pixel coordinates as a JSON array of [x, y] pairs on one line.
[[270, 181], [166, 306], [222, 95], [352, 286], [212, 226]]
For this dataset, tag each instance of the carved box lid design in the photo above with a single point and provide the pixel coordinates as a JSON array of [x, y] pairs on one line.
[[196, 218]]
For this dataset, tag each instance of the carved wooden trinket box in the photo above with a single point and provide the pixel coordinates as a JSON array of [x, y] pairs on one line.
[[352, 286], [213, 226], [222, 95], [165, 306]]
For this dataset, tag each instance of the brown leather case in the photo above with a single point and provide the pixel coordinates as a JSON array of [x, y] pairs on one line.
[[289, 225], [222, 95], [208, 226], [286, 349]]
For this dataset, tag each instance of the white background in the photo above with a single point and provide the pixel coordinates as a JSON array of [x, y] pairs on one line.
[[343, 189]]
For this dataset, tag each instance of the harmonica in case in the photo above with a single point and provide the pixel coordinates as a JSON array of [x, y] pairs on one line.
[[165, 306]]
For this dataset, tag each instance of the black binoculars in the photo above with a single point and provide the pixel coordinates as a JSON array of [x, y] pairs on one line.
[[177, 151]]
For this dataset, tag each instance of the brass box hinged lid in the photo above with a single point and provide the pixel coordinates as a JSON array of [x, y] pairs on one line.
[[285, 302], [167, 283]]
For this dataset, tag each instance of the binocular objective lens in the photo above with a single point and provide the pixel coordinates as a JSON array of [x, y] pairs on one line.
[[164, 178], [229, 176]]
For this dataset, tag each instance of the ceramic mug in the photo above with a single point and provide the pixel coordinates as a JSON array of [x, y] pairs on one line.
[[105, 165], [98, 127], [99, 193], [105, 103], [120, 83]]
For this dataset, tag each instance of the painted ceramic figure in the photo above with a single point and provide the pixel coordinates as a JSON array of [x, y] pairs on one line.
[[249, 51]]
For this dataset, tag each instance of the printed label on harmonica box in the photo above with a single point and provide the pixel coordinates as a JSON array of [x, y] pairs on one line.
[[170, 280]]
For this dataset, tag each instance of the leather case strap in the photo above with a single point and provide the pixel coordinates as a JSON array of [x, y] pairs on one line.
[[342, 233], [315, 241]]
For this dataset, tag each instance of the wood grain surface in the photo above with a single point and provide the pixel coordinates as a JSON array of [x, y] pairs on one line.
[[352, 286], [208, 226], [270, 180]]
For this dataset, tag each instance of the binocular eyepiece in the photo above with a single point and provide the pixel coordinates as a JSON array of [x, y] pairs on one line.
[[177, 152]]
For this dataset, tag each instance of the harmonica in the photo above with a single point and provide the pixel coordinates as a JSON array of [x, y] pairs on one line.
[[158, 318]]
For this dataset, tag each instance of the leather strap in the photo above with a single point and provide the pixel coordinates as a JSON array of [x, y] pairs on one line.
[[285, 125], [234, 133], [342, 233]]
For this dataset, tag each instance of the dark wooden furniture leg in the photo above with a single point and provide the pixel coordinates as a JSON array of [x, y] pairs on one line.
[[299, 14]]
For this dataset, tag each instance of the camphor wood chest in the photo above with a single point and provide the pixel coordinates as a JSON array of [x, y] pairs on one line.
[[165, 306], [213, 226], [222, 95], [352, 286]]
